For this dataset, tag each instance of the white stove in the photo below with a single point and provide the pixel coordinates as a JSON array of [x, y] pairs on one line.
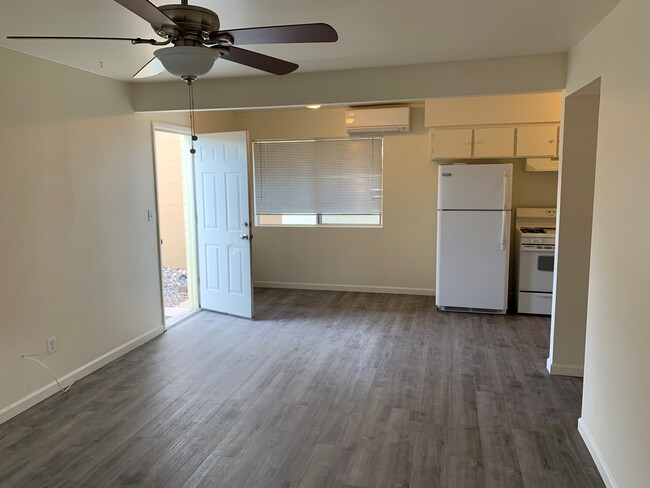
[[536, 259]]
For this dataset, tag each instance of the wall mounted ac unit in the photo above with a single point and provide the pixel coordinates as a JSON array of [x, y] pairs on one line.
[[378, 120]]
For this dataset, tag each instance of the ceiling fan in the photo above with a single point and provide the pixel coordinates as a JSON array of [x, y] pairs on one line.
[[197, 41]]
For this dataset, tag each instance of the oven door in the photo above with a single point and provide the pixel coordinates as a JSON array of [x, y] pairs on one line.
[[536, 264]]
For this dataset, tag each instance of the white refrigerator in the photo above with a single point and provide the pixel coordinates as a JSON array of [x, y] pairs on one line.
[[473, 249]]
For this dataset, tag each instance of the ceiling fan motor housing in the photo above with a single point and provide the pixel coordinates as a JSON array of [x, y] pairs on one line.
[[197, 24]]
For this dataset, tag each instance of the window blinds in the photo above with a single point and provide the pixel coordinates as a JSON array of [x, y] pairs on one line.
[[324, 176]]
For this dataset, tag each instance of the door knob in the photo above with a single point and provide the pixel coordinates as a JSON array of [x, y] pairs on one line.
[[244, 237]]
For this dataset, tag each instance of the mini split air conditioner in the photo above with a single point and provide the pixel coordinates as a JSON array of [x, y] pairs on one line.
[[378, 120]]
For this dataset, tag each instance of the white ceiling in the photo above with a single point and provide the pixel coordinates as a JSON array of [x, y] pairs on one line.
[[372, 33]]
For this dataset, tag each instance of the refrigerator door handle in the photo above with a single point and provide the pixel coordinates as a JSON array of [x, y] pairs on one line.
[[503, 231], [505, 191]]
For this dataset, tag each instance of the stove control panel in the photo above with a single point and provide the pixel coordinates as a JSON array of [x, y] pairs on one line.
[[538, 240]]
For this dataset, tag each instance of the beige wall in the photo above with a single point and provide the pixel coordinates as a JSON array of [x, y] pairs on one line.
[[399, 257], [78, 253], [617, 356], [171, 206], [374, 85], [216, 121], [575, 214], [494, 110], [532, 189]]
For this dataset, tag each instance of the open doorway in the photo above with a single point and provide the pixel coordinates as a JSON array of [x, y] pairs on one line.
[[575, 215], [176, 223]]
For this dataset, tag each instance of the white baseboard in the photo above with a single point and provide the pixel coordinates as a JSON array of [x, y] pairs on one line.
[[358, 288], [41, 394], [564, 369], [596, 455]]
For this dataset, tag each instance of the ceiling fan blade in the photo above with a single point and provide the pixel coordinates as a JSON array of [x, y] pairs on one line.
[[280, 34], [149, 12], [152, 68], [259, 61], [136, 40]]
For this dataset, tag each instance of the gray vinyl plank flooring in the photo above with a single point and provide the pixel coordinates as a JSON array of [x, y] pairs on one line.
[[324, 389]]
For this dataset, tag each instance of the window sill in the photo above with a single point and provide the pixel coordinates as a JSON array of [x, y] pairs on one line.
[[319, 226]]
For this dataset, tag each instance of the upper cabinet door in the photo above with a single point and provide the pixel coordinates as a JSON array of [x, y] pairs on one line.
[[494, 143], [451, 143], [537, 141]]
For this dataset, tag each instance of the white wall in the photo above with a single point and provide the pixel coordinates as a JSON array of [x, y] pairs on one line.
[[575, 215], [617, 357], [78, 256]]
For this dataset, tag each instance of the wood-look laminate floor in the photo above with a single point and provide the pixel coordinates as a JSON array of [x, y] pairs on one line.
[[324, 389]]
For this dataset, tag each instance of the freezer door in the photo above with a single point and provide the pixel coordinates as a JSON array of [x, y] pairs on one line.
[[475, 187], [472, 260]]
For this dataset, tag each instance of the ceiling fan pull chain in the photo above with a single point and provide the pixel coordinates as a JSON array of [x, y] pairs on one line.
[[190, 84]]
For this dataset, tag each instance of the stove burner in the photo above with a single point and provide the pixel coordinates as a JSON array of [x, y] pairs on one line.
[[533, 230]]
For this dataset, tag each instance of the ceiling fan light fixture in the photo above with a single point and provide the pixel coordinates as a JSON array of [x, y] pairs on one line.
[[198, 40], [187, 62]]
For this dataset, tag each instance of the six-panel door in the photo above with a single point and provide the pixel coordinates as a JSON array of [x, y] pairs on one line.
[[223, 225]]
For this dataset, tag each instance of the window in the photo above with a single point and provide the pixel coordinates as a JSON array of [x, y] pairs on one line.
[[319, 182]]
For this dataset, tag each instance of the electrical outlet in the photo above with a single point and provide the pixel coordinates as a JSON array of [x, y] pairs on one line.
[[51, 345]]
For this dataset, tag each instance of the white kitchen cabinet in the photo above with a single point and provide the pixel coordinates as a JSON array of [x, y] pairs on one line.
[[451, 143], [537, 141], [534, 141], [496, 142]]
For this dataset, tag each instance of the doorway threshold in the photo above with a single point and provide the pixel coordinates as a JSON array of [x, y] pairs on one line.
[[176, 315]]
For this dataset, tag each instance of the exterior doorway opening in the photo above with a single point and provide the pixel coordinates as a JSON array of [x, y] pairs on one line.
[[176, 223]]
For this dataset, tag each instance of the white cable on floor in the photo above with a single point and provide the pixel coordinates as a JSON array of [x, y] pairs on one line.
[[31, 356]]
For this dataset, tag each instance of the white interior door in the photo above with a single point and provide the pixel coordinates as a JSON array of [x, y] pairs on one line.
[[223, 228]]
